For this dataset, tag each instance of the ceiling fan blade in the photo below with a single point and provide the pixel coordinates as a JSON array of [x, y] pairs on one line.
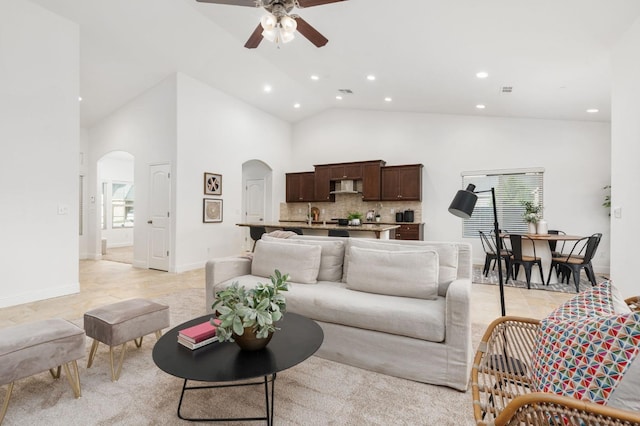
[[248, 3], [310, 33], [255, 38], [310, 3]]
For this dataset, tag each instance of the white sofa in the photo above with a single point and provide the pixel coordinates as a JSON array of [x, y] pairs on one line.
[[395, 307]]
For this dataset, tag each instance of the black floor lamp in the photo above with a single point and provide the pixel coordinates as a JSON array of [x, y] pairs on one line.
[[462, 206]]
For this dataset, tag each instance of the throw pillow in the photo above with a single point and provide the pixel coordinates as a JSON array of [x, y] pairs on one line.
[[447, 255], [300, 262], [588, 349], [331, 256], [394, 273]]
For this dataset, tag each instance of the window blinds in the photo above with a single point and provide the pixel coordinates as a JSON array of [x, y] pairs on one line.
[[512, 187]]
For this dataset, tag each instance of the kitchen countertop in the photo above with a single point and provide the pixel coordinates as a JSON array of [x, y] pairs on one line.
[[377, 228]]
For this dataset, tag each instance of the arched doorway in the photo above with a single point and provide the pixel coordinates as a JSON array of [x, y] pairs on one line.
[[116, 206], [257, 196]]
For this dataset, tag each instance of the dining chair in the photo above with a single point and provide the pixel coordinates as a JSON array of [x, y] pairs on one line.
[[338, 233], [553, 244], [256, 233], [575, 261], [518, 258], [490, 250]]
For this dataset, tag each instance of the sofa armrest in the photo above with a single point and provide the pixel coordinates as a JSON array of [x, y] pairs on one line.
[[458, 328], [223, 269]]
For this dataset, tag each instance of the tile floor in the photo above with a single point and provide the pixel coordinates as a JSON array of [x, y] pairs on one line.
[[103, 282]]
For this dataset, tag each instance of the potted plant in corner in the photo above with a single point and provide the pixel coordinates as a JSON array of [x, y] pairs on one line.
[[531, 215], [355, 218], [248, 316]]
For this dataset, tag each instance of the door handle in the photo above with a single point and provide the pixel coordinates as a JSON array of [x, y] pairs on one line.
[[150, 221]]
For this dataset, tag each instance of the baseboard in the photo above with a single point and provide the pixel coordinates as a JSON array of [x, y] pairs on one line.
[[36, 295], [190, 266]]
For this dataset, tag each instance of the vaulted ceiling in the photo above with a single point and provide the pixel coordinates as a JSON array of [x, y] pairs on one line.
[[554, 54]]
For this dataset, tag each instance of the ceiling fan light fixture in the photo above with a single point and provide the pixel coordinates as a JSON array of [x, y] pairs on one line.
[[268, 22], [288, 24], [270, 35], [285, 36]]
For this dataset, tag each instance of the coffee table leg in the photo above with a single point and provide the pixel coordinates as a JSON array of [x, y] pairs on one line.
[[268, 404]]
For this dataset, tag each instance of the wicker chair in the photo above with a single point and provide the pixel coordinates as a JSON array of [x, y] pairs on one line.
[[501, 389]]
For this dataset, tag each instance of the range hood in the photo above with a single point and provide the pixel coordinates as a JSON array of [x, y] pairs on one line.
[[347, 186]]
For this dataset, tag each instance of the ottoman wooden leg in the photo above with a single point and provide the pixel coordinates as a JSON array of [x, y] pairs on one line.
[[92, 353], [115, 375], [138, 342], [5, 404], [55, 373], [74, 379], [158, 334]]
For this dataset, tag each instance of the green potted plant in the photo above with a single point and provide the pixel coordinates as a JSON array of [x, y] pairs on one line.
[[355, 218], [532, 214], [248, 316]]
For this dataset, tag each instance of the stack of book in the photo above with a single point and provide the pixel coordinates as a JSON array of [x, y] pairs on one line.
[[198, 335]]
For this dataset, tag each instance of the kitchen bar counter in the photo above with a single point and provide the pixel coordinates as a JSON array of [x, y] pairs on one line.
[[380, 230]]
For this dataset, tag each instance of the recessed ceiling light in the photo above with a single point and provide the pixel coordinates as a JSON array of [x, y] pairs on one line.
[[296, 105], [339, 97], [481, 106], [371, 77], [387, 99], [315, 77], [79, 98], [592, 110], [482, 74], [267, 88]]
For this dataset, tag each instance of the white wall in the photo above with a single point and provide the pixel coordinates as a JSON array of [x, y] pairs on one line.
[[217, 134], [575, 156], [146, 128], [625, 160], [39, 130], [83, 243]]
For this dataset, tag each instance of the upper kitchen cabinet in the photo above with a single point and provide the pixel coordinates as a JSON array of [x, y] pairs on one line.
[[300, 187], [371, 180], [323, 184], [402, 183], [346, 171]]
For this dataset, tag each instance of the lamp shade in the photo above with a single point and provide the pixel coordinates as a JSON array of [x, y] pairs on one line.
[[464, 202]]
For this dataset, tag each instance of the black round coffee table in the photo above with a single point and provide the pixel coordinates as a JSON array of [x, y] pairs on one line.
[[298, 339]]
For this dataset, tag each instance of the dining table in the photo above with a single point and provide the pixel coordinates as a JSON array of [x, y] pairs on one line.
[[543, 251]]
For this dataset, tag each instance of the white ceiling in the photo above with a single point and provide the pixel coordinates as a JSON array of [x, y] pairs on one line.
[[425, 54]]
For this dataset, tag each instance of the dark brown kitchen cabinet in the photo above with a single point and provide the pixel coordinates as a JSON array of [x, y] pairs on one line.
[[346, 171], [371, 180], [300, 187], [410, 231], [323, 184], [401, 183]]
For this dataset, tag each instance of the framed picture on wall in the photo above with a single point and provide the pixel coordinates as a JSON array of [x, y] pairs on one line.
[[211, 210], [212, 184]]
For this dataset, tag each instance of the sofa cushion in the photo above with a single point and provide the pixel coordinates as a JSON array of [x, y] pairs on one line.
[[332, 302], [331, 255], [395, 273], [447, 256], [300, 262], [586, 350]]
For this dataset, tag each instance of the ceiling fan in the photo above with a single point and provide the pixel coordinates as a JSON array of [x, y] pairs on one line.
[[278, 25]]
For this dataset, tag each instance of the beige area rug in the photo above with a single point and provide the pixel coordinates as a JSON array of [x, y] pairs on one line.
[[315, 392]]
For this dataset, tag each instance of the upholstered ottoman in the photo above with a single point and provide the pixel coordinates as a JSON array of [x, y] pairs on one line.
[[32, 348], [121, 322]]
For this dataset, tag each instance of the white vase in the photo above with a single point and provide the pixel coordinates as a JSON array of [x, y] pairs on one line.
[[542, 227], [532, 228]]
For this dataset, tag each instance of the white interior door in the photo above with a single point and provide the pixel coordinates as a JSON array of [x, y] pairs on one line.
[[159, 216], [255, 200]]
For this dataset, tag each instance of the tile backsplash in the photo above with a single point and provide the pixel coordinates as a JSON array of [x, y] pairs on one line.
[[346, 203]]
